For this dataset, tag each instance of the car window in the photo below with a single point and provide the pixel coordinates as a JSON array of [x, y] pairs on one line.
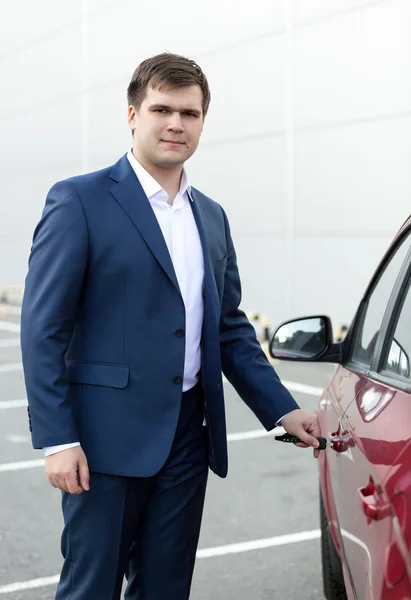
[[371, 318], [398, 359]]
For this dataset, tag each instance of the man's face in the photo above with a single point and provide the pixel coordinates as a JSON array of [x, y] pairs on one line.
[[167, 126]]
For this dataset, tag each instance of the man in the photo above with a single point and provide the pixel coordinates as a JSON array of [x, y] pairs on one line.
[[130, 314]]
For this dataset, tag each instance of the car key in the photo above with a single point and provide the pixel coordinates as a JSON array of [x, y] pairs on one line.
[[292, 439]]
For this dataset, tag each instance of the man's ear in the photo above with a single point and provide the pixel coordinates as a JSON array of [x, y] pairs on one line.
[[131, 117]]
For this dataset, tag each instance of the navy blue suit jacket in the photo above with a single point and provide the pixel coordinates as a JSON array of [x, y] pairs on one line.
[[102, 362]]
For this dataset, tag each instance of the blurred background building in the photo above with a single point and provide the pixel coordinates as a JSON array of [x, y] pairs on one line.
[[307, 144]]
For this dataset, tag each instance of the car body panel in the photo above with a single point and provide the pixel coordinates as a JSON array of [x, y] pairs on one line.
[[371, 421]]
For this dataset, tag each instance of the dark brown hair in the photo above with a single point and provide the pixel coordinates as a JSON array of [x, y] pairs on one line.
[[166, 71]]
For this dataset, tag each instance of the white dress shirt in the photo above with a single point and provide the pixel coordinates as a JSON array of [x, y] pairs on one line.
[[180, 233]]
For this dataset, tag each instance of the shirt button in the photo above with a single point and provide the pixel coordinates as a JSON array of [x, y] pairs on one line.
[[180, 333], [177, 379]]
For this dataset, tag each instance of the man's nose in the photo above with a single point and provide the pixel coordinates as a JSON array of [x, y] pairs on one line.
[[175, 123]]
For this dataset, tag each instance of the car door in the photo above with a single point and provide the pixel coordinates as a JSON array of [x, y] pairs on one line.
[[392, 365], [366, 437]]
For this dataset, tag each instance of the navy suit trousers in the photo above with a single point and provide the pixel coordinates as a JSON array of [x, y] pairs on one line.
[[144, 528]]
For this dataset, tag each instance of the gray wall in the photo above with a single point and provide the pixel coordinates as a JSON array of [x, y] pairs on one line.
[[307, 144]]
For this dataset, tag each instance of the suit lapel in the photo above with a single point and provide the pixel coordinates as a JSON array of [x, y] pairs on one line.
[[128, 192], [210, 290], [200, 213]]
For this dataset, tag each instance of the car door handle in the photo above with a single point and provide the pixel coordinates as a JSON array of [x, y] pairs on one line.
[[373, 508], [341, 442]]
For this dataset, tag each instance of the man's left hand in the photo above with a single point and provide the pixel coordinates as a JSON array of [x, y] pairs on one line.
[[305, 426]]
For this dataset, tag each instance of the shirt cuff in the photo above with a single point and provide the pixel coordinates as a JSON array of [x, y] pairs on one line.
[[278, 423], [48, 450]]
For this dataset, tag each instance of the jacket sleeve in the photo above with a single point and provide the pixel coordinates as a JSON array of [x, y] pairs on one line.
[[243, 361], [57, 267]]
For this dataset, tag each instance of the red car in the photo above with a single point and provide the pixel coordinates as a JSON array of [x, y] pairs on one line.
[[365, 414]]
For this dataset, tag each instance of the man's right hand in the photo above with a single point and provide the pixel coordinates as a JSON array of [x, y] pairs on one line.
[[68, 470]]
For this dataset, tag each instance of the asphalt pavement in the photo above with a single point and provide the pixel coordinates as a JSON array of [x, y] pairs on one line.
[[260, 533]]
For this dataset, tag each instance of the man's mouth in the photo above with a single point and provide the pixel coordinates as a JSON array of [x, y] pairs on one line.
[[174, 142]]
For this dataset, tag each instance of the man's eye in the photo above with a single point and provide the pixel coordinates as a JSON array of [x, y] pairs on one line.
[[161, 110], [189, 114]]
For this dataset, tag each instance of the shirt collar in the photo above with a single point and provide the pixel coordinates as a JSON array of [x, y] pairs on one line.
[[150, 186]]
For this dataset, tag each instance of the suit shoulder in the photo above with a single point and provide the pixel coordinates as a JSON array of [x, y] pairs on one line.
[[83, 182], [80, 188]]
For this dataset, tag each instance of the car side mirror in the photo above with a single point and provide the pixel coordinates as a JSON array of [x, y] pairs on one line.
[[302, 339]]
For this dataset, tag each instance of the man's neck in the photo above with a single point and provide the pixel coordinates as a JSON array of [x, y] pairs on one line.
[[168, 178]]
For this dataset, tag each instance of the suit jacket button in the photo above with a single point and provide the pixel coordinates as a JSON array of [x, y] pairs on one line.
[[180, 333], [177, 379]]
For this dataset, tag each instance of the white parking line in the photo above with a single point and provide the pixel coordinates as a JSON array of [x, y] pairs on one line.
[[7, 326], [23, 464], [11, 343], [18, 439], [6, 404], [310, 390], [8, 309], [281, 540], [248, 435], [293, 386], [33, 584], [8, 368]]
